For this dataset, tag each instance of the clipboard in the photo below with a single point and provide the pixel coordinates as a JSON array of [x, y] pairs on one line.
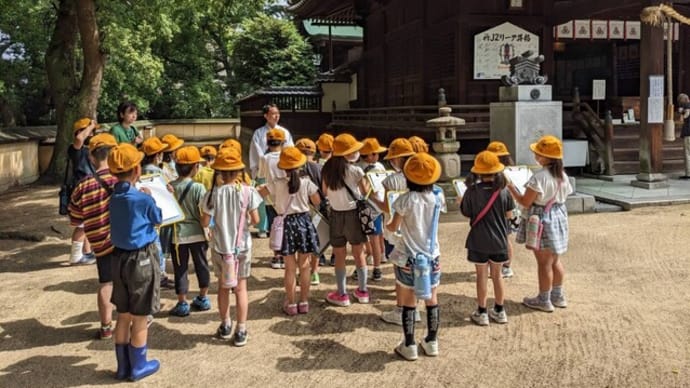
[[376, 179], [392, 196], [165, 200], [459, 186], [519, 175], [323, 229]]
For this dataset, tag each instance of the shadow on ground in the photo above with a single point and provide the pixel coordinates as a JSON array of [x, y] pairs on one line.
[[316, 353], [55, 372]]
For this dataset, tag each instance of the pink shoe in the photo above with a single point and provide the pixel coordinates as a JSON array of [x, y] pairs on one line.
[[303, 307], [362, 296], [337, 299], [290, 309]]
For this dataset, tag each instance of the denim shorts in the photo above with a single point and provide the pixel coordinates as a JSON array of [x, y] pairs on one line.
[[378, 225], [405, 278]]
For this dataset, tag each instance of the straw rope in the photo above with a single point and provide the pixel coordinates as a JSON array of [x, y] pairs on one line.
[[656, 15]]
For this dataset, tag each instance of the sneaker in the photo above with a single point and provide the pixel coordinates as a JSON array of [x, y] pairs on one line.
[[407, 352], [506, 272], [86, 259], [361, 296], [105, 332], [322, 261], [202, 303], [167, 283], [281, 261], [559, 301], [481, 319], [181, 309], [384, 259], [394, 316], [224, 331], [275, 262], [497, 317], [336, 299], [149, 320], [290, 309], [538, 304], [332, 261], [303, 307], [315, 279], [262, 235], [240, 338], [377, 275], [354, 275], [430, 348]]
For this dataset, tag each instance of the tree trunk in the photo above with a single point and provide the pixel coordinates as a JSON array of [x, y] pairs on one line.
[[74, 91]]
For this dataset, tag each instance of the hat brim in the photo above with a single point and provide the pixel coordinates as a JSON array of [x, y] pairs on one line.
[[191, 161], [219, 167], [164, 146], [293, 165], [500, 167], [354, 148], [430, 180], [501, 153], [174, 146], [534, 149], [390, 156]]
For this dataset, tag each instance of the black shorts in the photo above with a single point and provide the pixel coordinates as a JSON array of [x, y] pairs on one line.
[[476, 257], [136, 280], [345, 227], [104, 264]]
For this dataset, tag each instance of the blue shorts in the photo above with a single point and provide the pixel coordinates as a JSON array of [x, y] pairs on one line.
[[378, 225], [405, 278]]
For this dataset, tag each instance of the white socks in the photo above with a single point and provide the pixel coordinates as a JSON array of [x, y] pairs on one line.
[[76, 253]]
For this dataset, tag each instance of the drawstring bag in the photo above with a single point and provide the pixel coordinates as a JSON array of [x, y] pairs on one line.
[[231, 261], [367, 214], [275, 241]]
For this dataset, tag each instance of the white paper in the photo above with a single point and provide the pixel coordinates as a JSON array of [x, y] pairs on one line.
[[164, 199], [519, 175], [656, 86], [376, 179], [598, 89], [655, 110], [323, 229], [459, 186]]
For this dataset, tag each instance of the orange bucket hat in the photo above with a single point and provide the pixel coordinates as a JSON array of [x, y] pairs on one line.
[[399, 148], [325, 142], [372, 146], [345, 144], [275, 134], [188, 155], [124, 157], [228, 159], [418, 144], [498, 148], [153, 145], [208, 150], [81, 124], [102, 140], [549, 147], [291, 158], [306, 145], [172, 141], [487, 163], [231, 143], [422, 169]]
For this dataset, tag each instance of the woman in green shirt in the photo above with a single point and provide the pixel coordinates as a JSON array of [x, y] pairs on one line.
[[124, 131]]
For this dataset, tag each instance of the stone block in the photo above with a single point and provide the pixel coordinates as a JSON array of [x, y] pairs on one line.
[[445, 147], [450, 166], [524, 93]]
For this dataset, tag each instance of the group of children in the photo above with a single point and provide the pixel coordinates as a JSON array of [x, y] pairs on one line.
[[220, 202]]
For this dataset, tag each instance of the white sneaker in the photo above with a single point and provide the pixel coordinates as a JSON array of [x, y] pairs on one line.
[[538, 304], [395, 316], [501, 317], [430, 348], [407, 352], [506, 272], [481, 319], [559, 301]]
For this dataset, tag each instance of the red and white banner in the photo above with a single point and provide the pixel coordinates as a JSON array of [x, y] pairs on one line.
[[600, 29], [604, 29]]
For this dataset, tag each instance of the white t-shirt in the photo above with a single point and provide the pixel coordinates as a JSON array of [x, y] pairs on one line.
[[226, 215], [268, 169], [258, 147], [417, 211], [300, 200], [340, 199], [543, 183]]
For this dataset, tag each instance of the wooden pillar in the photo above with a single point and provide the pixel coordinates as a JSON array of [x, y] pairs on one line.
[[651, 135]]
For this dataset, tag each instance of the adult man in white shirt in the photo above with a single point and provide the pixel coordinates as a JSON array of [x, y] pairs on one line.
[[258, 146]]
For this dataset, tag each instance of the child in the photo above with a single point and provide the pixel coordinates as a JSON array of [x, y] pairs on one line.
[[300, 239], [488, 205], [501, 151], [313, 170], [89, 207], [369, 161], [168, 163], [124, 131], [399, 151], [205, 173], [545, 195], [225, 203], [136, 275], [188, 237], [268, 174], [325, 146], [78, 154], [418, 144], [343, 182], [416, 215], [244, 176]]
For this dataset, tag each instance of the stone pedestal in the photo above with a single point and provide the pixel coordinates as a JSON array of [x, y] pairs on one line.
[[521, 123], [651, 181], [524, 93]]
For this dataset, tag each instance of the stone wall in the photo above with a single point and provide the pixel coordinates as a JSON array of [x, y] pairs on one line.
[[18, 163]]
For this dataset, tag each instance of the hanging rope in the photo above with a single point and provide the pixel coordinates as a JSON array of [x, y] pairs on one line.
[[656, 15]]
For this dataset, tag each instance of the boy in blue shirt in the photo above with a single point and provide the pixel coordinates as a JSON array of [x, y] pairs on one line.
[[136, 272]]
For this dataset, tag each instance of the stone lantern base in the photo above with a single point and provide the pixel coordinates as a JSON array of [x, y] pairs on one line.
[[450, 166]]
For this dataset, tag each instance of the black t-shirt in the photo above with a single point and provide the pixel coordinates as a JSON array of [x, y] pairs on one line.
[[81, 166], [491, 232]]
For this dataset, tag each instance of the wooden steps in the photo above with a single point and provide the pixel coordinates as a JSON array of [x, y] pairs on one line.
[[626, 151]]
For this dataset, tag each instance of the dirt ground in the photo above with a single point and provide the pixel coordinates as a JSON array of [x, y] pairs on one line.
[[626, 325]]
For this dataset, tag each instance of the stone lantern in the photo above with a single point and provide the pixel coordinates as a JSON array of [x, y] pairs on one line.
[[446, 145]]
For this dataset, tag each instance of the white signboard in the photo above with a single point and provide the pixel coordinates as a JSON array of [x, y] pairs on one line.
[[655, 110], [598, 89], [494, 48], [656, 86]]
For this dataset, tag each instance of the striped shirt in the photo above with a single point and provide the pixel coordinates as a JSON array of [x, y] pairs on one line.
[[89, 205]]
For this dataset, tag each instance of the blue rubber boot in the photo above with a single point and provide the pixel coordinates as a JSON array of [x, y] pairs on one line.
[[140, 367], [124, 369]]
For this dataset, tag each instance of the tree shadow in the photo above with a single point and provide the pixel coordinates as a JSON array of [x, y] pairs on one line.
[[35, 258], [56, 372], [30, 333], [85, 317], [321, 354], [79, 287]]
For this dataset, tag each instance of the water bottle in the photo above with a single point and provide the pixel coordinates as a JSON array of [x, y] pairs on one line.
[[422, 277], [532, 232], [229, 271]]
